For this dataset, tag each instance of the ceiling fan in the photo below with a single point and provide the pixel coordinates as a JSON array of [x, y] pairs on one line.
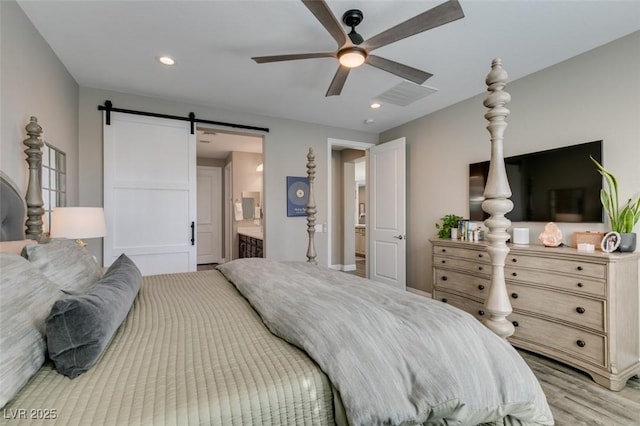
[[353, 50]]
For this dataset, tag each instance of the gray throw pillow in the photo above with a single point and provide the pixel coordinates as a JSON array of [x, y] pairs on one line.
[[80, 327], [65, 263], [26, 296]]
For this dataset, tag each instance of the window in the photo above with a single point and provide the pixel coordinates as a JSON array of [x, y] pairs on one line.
[[54, 181]]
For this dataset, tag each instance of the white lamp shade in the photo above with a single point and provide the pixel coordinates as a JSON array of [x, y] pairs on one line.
[[78, 222]]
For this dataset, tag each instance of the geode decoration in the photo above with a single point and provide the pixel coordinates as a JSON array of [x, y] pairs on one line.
[[551, 235]]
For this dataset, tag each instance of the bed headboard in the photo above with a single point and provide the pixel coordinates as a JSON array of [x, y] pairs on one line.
[[12, 210]]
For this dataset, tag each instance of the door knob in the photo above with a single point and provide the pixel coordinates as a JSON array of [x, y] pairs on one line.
[[400, 237]]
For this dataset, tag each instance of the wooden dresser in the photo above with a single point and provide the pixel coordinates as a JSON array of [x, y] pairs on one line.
[[578, 308]]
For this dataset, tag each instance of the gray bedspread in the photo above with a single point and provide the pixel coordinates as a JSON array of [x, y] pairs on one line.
[[396, 358]]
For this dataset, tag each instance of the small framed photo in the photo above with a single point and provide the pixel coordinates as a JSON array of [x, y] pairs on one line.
[[610, 242]]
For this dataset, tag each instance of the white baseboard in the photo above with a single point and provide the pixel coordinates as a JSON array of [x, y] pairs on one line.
[[345, 268], [420, 292]]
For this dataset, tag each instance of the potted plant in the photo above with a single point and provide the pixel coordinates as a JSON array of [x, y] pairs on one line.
[[448, 222], [623, 218]]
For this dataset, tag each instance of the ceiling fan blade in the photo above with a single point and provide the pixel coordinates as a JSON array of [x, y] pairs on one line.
[[293, 57], [401, 70], [323, 14], [338, 81], [432, 18]]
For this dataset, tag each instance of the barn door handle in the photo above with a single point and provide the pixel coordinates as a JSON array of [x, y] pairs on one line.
[[193, 233]]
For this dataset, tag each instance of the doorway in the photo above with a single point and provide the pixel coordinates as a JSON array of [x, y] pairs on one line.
[[346, 227], [238, 160]]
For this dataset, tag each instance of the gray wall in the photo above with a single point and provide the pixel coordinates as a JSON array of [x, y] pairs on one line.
[[34, 82], [285, 151], [593, 96]]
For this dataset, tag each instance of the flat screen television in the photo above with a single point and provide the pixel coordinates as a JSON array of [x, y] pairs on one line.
[[557, 185]]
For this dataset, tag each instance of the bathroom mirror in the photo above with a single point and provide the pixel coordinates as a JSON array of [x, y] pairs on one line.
[[251, 205]]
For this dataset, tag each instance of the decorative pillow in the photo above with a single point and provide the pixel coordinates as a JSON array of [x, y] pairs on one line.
[[26, 296], [80, 327], [65, 263]]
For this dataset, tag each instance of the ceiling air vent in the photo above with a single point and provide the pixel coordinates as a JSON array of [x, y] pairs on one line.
[[405, 93]]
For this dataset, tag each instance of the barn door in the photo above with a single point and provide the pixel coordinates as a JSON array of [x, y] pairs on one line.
[[150, 193]]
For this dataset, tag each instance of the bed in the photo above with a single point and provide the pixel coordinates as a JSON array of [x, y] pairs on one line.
[[255, 341]]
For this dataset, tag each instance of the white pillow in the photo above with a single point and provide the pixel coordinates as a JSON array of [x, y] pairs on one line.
[[26, 297]]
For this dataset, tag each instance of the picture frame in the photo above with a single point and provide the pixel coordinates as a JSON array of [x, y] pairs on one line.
[[588, 237], [610, 242], [297, 195]]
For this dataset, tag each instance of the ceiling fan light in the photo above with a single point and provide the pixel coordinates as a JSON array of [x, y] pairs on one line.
[[351, 57]]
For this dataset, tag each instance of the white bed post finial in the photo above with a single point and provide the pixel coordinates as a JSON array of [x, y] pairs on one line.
[[34, 188], [311, 207], [497, 203]]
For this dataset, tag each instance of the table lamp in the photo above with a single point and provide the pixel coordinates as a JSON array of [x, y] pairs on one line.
[[78, 223]]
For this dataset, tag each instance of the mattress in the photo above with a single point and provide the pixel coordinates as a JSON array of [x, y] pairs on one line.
[[191, 351]]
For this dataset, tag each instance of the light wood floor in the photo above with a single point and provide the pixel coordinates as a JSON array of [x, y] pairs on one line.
[[575, 399]]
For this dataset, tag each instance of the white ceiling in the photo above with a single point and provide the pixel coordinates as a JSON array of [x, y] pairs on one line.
[[113, 45]]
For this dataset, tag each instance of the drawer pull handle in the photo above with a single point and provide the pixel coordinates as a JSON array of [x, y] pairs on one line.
[[479, 268], [481, 312], [444, 250], [480, 287], [480, 255], [515, 274], [514, 260], [580, 285], [515, 323], [444, 300], [514, 295], [444, 261], [579, 268], [444, 278], [580, 310], [581, 343]]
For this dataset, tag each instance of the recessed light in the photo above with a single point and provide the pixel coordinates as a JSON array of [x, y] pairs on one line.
[[369, 121], [166, 60], [375, 105]]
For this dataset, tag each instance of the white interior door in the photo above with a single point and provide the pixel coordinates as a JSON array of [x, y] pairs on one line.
[[209, 240], [386, 220], [150, 193]]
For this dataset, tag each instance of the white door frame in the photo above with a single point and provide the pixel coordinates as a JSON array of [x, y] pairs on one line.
[[228, 214], [331, 143]]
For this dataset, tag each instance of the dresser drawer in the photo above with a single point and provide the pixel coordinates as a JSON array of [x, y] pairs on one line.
[[575, 267], [473, 286], [462, 264], [566, 307], [465, 253], [571, 342], [587, 286], [471, 306]]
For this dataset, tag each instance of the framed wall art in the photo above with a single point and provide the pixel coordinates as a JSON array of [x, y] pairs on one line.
[[297, 195]]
